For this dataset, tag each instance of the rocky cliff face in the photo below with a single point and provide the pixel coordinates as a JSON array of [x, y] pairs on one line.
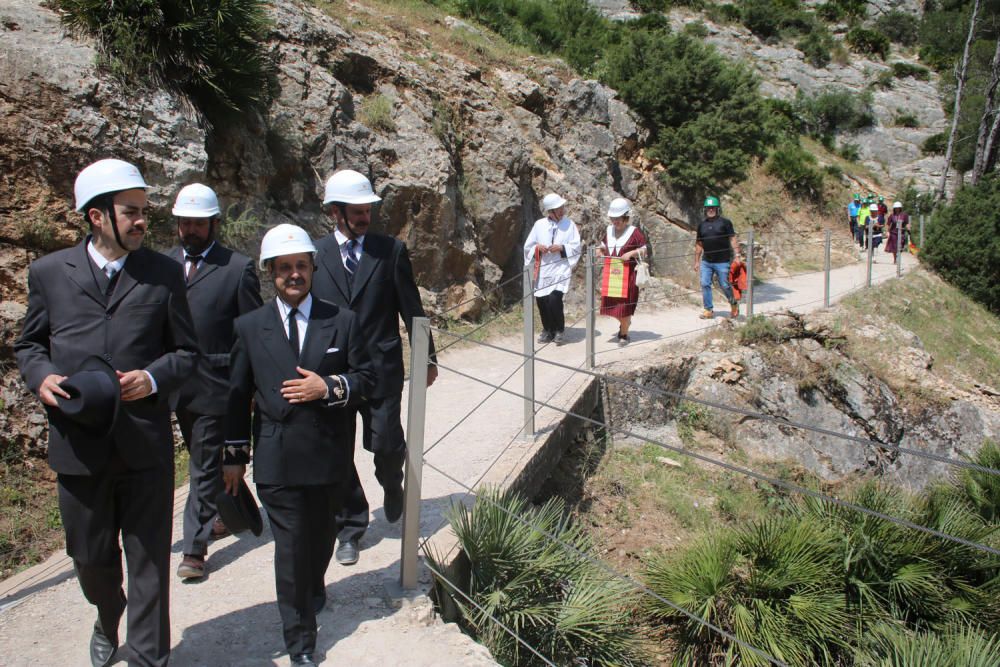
[[810, 379], [462, 157]]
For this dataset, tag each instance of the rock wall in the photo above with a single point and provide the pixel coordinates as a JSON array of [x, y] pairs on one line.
[[808, 379]]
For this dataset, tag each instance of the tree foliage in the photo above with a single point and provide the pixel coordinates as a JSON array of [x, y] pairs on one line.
[[963, 242], [209, 51], [707, 116]]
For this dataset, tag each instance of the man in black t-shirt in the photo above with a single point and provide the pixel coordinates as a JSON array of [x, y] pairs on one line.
[[714, 250]]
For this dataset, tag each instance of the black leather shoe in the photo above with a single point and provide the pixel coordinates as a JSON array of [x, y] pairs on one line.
[[393, 504], [102, 649], [303, 659], [347, 552]]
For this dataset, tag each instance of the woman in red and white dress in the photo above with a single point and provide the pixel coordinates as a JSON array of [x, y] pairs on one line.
[[625, 241]]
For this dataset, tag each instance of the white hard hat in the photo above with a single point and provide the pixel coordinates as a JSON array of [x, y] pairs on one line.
[[105, 176], [619, 207], [349, 187], [551, 201], [873, 207], [284, 239], [196, 201], [897, 204]]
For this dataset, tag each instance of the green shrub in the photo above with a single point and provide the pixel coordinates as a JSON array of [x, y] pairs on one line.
[[963, 242], [834, 110], [708, 118], [903, 70], [729, 13], [942, 34], [760, 329], [869, 42], [761, 17], [981, 490], [210, 51], [899, 27], [376, 113], [796, 169], [906, 119], [885, 80], [936, 144], [817, 48], [850, 151], [957, 646], [773, 584], [558, 601]]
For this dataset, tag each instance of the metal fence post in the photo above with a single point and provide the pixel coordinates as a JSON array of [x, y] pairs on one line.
[[826, 270], [529, 354], [415, 416], [590, 301], [921, 231], [750, 274], [870, 254], [899, 249]]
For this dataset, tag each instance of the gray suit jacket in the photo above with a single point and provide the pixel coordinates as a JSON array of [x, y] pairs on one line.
[[223, 288], [144, 324], [383, 290], [304, 444]]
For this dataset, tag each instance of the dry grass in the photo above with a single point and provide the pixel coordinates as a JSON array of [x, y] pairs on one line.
[[961, 335]]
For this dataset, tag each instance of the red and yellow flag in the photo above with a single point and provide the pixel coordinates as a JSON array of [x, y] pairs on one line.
[[614, 284]]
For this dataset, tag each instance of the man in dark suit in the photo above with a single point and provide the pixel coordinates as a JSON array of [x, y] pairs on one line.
[[221, 286], [111, 297], [371, 274], [302, 362]]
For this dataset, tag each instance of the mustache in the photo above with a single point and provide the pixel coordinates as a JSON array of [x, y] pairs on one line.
[[295, 282]]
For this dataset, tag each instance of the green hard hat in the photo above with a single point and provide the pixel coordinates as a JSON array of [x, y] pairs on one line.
[[857, 196], [881, 198], [711, 201]]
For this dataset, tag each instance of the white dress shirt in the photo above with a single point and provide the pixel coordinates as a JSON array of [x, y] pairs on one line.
[[302, 320], [342, 243]]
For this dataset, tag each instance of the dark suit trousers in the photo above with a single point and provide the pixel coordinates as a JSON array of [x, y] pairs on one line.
[[203, 437], [138, 504], [550, 309], [302, 521], [382, 434]]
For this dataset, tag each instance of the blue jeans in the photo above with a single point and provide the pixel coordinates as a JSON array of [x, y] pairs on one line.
[[720, 269]]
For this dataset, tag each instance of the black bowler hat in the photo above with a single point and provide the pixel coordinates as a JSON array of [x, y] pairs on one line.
[[94, 400], [240, 512]]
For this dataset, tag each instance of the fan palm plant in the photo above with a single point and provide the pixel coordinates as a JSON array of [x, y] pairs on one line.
[[773, 585], [548, 592], [893, 646]]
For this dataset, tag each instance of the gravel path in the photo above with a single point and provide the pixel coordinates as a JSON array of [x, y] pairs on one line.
[[231, 618]]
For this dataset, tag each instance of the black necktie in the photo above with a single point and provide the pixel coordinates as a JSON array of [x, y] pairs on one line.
[[192, 266], [112, 281], [293, 331], [350, 262]]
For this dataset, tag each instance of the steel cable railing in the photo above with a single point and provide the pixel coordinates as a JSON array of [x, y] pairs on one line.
[[663, 393], [760, 476]]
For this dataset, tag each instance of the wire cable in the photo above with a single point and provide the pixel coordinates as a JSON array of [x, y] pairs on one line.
[[760, 476], [493, 618], [663, 393], [617, 575]]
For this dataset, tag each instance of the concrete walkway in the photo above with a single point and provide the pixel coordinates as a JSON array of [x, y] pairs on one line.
[[231, 618]]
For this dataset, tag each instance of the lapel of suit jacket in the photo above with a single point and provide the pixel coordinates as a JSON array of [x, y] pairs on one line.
[[275, 341], [319, 333], [78, 270], [371, 254], [333, 263], [208, 264], [127, 280]]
